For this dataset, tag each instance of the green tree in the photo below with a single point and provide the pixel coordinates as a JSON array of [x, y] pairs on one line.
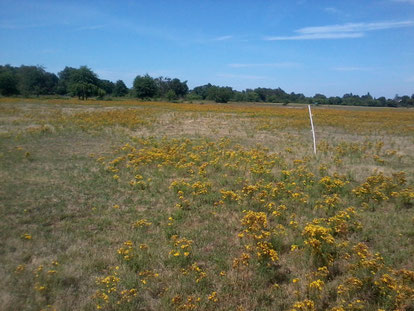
[[320, 99], [120, 89], [252, 96], [107, 86], [65, 78], [171, 95], [84, 83], [202, 91], [220, 94], [240, 96], [165, 85], [179, 88], [8, 83], [145, 87], [50, 83], [34, 80]]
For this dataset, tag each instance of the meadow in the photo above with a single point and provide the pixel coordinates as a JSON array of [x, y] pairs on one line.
[[130, 205]]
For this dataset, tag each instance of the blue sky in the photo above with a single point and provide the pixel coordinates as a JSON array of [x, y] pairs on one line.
[[308, 46]]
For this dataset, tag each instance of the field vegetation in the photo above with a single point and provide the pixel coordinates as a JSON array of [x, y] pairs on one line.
[[127, 205]]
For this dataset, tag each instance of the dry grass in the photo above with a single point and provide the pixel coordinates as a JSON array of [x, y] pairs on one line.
[[158, 206]]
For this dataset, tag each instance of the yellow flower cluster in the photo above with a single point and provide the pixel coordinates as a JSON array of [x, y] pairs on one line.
[[111, 293], [332, 185], [141, 223], [379, 187], [305, 305], [127, 251], [182, 246], [292, 213]]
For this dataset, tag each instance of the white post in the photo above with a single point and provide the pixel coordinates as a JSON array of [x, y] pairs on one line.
[[313, 130]]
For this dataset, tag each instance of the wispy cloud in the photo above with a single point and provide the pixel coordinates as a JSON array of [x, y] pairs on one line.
[[275, 65], [90, 27], [316, 36], [223, 38], [247, 77], [355, 27], [331, 10], [410, 79], [351, 68], [16, 26], [349, 30], [404, 1]]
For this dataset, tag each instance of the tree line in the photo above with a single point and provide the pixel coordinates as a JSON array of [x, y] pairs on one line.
[[83, 83]]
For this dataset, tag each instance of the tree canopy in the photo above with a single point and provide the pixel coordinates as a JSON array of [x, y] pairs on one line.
[[120, 89], [84, 83], [145, 87]]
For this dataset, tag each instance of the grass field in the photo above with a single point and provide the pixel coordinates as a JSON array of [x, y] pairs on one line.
[[161, 206]]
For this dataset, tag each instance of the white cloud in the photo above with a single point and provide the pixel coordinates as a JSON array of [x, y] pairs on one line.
[[354, 27], [318, 36], [349, 30], [275, 65]]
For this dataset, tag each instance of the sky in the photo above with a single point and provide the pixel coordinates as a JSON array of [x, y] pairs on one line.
[[303, 46]]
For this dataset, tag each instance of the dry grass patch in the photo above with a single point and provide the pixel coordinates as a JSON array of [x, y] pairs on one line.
[[159, 206]]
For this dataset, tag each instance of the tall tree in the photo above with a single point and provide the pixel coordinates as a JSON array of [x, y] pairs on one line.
[[84, 83], [179, 88], [145, 87], [107, 86], [8, 81], [65, 77], [34, 80], [220, 94], [120, 89], [202, 91]]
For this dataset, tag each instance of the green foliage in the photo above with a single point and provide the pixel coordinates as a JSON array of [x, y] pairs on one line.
[[193, 96], [84, 83], [34, 80], [201, 91], [120, 89], [252, 96], [277, 95], [171, 95], [65, 77], [8, 83], [220, 94], [166, 85], [107, 86], [145, 87], [320, 99], [178, 87], [84, 90]]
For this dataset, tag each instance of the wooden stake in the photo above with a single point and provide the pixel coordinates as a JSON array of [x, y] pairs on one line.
[[313, 130]]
